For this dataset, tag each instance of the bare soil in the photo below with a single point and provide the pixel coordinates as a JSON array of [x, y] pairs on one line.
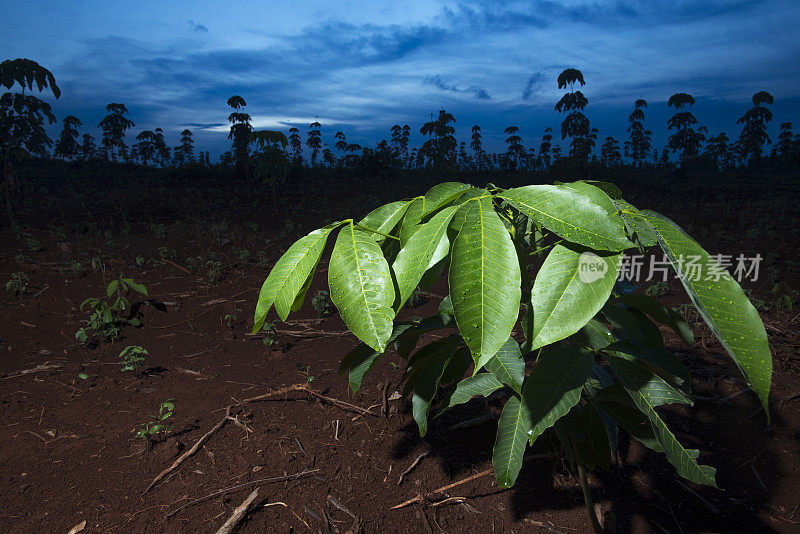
[[69, 451]]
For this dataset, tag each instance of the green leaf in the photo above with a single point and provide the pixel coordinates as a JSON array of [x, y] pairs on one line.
[[660, 313], [567, 293], [583, 431], [442, 194], [652, 356], [362, 287], [289, 275], [484, 281], [112, 287], [616, 402], [446, 306], [415, 257], [649, 385], [635, 225], [411, 219], [384, 218], [594, 334], [685, 461], [722, 304], [510, 443], [363, 358], [554, 386], [426, 381], [507, 365], [579, 213], [482, 384]]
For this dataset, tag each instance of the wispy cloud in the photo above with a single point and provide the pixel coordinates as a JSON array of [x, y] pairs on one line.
[[198, 28], [438, 82]]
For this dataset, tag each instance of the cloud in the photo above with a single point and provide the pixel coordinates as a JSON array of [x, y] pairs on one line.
[[197, 28], [437, 81], [535, 81]]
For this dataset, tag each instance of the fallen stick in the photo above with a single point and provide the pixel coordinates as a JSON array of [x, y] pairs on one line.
[[221, 423], [191, 451], [46, 366], [238, 514], [240, 486], [413, 465], [470, 478], [175, 265]]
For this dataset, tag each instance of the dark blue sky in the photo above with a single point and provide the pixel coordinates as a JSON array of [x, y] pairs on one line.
[[361, 66]]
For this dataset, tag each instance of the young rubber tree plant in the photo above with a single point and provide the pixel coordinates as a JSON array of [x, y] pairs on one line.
[[583, 360]]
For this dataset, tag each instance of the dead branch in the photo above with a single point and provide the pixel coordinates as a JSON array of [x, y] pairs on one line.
[[470, 478], [223, 491], [238, 514]]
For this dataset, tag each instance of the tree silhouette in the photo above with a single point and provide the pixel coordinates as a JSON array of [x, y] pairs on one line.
[[754, 129], [184, 152], [439, 150], [476, 144], [720, 152], [146, 147], [271, 163], [686, 139], [314, 141], [544, 148], [297, 146], [240, 134], [162, 150], [515, 151], [67, 145], [610, 155], [114, 126], [638, 145], [22, 118], [788, 145], [575, 125], [88, 147]]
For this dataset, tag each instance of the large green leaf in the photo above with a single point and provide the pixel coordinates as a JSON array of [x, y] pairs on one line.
[[363, 358], [440, 195], [554, 386], [384, 218], [615, 402], [685, 461], [361, 286], [649, 385], [482, 384], [290, 274], [507, 365], [415, 257], [579, 213], [411, 219], [510, 442], [636, 226], [652, 356], [426, 381], [484, 281], [567, 293], [660, 313], [721, 303]]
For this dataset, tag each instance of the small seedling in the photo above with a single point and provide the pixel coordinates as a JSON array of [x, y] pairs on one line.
[[140, 261], [34, 245], [76, 267], [269, 335], [242, 253], [214, 271], [230, 318], [658, 289], [132, 357], [322, 304], [159, 230], [157, 427], [107, 317], [18, 284], [83, 376]]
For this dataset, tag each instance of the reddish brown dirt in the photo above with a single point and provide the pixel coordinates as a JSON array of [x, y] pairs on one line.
[[69, 453]]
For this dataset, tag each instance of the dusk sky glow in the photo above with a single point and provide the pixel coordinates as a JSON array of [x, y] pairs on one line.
[[361, 66]]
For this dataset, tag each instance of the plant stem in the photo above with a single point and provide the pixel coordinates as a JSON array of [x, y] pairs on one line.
[[587, 498]]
